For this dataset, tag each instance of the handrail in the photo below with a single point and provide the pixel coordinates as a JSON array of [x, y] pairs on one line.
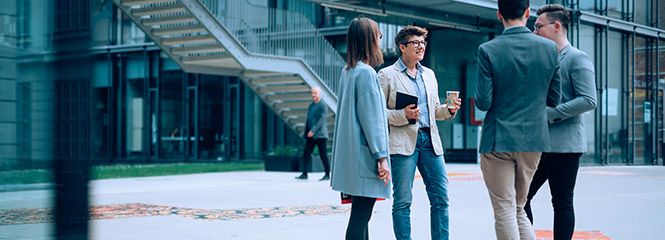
[[279, 32]]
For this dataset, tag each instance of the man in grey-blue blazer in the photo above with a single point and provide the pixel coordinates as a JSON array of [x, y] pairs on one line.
[[518, 76], [567, 135], [316, 135]]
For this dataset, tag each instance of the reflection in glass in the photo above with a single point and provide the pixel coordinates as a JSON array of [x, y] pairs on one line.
[[27, 120], [614, 7], [642, 107], [587, 45], [613, 97], [171, 115]]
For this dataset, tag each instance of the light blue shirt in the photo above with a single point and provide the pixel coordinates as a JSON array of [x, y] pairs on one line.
[[419, 85]]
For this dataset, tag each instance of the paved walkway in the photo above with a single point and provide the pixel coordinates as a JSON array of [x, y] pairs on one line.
[[611, 202]]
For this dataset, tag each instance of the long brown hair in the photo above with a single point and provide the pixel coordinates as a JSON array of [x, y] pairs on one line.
[[363, 43]]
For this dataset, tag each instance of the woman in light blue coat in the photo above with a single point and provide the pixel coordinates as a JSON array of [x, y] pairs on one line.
[[360, 166]]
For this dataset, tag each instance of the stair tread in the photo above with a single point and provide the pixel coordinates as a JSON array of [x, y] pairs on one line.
[[187, 39], [144, 2], [146, 11], [179, 30], [216, 48], [169, 19]]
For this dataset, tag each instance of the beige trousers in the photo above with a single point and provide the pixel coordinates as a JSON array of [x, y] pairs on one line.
[[507, 176]]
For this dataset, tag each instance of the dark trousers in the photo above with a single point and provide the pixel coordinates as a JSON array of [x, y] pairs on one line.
[[560, 170], [361, 212], [306, 161]]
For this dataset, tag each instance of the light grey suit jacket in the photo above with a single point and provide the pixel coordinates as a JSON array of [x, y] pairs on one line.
[[518, 76], [361, 134], [403, 135], [578, 95]]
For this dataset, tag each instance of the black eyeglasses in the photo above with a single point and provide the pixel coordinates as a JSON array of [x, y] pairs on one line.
[[416, 43], [537, 27]]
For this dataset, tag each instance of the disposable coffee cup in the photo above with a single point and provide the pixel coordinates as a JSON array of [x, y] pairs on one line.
[[451, 98]]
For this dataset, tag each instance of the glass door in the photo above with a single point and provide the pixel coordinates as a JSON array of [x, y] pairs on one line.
[[171, 120], [192, 118]]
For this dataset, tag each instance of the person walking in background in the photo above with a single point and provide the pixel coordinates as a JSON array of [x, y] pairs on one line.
[[316, 134], [416, 145], [518, 76], [567, 135], [361, 164]]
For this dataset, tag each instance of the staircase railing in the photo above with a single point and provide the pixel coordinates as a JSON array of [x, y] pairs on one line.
[[279, 32]]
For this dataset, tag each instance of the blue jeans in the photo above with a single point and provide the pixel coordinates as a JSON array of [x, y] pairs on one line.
[[432, 168]]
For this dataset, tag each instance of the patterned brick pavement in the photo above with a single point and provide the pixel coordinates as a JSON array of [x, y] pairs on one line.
[[588, 235], [131, 210], [459, 176], [116, 211]]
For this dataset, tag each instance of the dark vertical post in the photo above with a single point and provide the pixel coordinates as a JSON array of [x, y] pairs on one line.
[[71, 127], [607, 80], [598, 129], [111, 108], [632, 90], [158, 124], [146, 107]]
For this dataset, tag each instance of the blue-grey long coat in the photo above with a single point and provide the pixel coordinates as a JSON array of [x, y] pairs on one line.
[[361, 134]]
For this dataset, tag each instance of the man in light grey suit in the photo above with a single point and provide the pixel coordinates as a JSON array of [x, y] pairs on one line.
[[567, 135], [518, 76]]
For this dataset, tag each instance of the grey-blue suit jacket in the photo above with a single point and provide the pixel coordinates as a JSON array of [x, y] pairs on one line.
[[518, 76], [317, 115], [578, 95], [361, 134]]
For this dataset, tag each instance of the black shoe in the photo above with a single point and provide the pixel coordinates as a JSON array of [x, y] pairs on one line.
[[302, 177], [325, 177]]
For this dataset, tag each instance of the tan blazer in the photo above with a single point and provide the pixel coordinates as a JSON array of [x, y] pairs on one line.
[[402, 134]]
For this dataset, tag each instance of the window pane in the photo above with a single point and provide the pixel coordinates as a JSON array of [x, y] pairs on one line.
[[614, 7], [587, 45], [612, 98], [641, 14], [661, 99], [641, 133], [134, 104], [171, 115]]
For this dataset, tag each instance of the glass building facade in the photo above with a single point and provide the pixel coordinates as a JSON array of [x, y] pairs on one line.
[[623, 38], [143, 107], [82, 85]]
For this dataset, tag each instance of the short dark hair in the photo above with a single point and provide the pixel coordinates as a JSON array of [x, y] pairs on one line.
[[407, 32], [362, 43], [556, 12], [512, 9]]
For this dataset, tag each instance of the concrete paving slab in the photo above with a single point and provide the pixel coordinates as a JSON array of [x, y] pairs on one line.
[[612, 202]]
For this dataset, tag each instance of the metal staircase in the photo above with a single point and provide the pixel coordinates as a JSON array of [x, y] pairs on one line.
[[279, 54]]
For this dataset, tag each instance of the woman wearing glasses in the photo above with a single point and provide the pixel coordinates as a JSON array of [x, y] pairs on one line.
[[360, 165], [414, 136]]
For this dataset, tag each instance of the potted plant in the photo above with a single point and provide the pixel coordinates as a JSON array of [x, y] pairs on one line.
[[283, 158]]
